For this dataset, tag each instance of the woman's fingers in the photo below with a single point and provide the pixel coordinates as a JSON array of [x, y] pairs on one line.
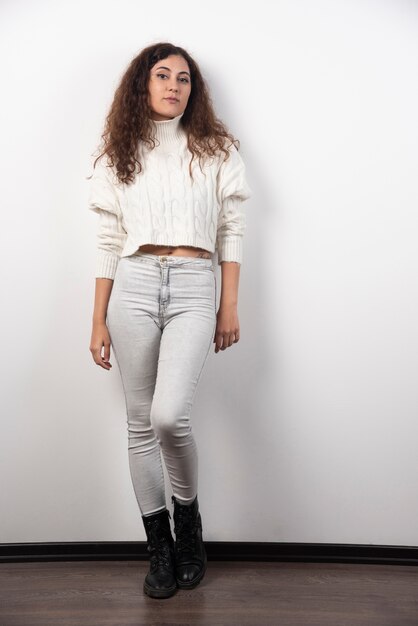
[[96, 351], [227, 328], [225, 340], [106, 355]]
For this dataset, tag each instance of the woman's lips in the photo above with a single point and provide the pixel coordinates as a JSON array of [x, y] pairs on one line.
[[171, 100]]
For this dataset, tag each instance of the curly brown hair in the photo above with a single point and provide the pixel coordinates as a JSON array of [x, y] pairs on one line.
[[129, 119]]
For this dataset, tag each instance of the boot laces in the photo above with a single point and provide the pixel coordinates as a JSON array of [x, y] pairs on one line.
[[158, 547], [186, 532]]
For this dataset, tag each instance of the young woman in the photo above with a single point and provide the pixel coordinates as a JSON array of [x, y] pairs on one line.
[[169, 195]]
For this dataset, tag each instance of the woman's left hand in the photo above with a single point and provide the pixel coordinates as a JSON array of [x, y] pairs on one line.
[[227, 327]]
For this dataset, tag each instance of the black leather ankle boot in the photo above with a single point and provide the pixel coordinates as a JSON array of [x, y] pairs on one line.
[[160, 582], [189, 550]]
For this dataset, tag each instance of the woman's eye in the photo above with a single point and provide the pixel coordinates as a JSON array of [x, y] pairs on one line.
[[185, 80]]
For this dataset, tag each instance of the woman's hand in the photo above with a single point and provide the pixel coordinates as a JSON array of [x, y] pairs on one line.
[[100, 337], [227, 327]]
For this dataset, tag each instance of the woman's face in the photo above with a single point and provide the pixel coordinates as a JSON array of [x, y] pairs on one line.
[[169, 78]]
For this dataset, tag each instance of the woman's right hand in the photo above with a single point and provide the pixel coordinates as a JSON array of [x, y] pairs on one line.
[[100, 337]]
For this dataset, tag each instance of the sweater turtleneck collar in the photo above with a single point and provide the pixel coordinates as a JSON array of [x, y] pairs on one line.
[[168, 131]]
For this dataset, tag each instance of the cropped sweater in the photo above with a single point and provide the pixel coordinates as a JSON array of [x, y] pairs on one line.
[[163, 206]]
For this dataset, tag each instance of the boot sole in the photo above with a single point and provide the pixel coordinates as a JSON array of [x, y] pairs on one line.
[[159, 593], [193, 583]]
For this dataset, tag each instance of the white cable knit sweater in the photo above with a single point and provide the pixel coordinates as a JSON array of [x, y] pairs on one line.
[[163, 206]]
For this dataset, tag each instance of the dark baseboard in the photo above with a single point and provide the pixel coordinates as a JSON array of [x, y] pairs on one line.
[[216, 551]]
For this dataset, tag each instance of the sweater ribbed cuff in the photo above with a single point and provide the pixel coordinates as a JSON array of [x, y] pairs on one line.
[[230, 248], [106, 264]]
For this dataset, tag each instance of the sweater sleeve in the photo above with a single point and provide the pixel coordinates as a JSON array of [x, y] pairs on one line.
[[232, 190], [111, 235]]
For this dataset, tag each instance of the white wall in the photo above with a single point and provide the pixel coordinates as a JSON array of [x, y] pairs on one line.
[[306, 428]]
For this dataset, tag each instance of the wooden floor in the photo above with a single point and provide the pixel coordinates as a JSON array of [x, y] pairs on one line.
[[232, 593]]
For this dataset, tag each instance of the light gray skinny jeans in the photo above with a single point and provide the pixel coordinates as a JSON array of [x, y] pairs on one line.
[[161, 319]]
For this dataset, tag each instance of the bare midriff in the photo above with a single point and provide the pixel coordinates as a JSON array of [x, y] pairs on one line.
[[176, 250]]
